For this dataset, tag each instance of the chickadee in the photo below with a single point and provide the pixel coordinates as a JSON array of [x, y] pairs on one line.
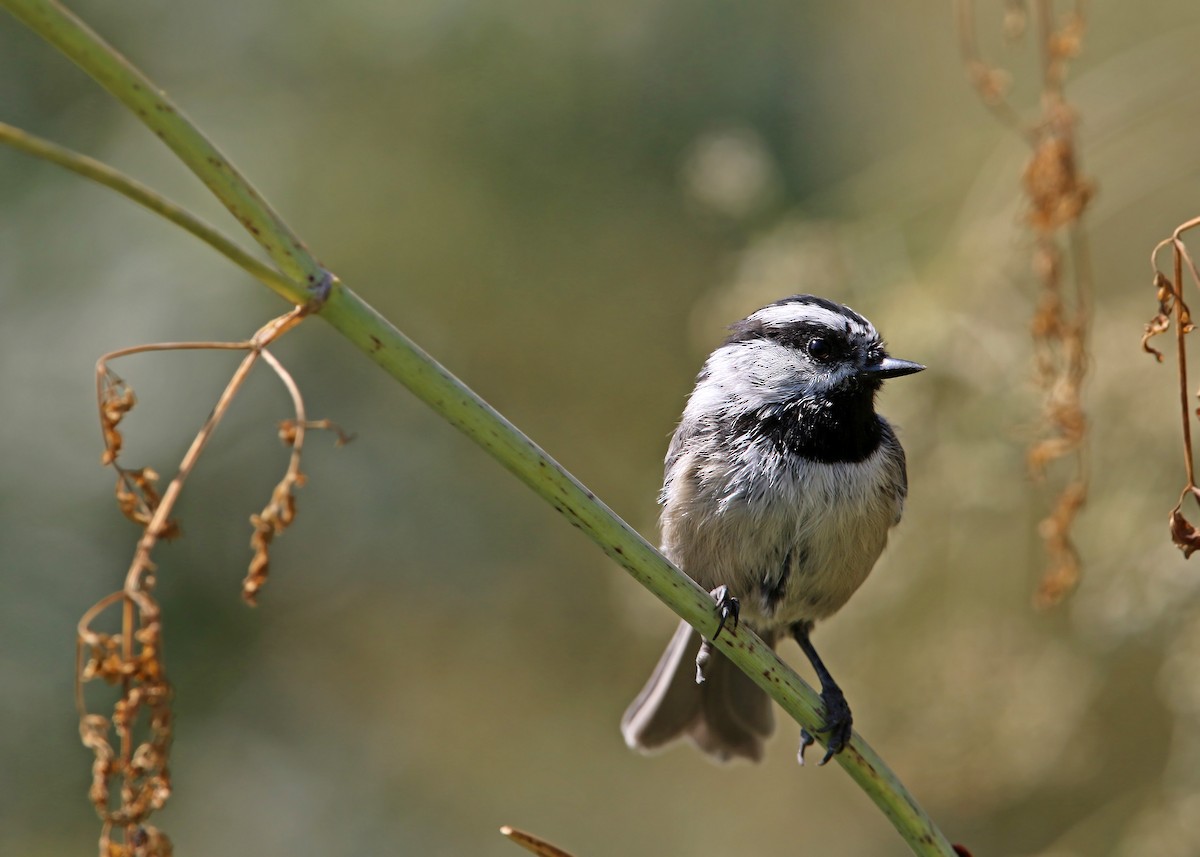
[[781, 486]]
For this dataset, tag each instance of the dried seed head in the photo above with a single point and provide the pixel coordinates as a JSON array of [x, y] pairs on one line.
[[1066, 43], [1184, 533], [1057, 193], [276, 517], [1062, 574], [992, 83], [1016, 20], [116, 400], [1164, 291], [129, 784], [287, 432], [1156, 326], [138, 500]]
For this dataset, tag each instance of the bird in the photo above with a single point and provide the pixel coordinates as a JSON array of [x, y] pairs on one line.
[[781, 485]]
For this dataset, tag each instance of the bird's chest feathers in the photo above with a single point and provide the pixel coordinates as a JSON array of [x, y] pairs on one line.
[[801, 536]]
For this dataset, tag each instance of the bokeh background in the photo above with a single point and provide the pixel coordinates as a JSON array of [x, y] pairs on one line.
[[566, 203]]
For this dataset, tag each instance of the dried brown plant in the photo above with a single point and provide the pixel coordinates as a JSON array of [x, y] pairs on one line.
[[1056, 194], [131, 745], [533, 843], [1169, 293], [279, 512]]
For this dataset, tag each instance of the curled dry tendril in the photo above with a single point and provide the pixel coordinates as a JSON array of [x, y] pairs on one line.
[[1173, 309], [130, 745]]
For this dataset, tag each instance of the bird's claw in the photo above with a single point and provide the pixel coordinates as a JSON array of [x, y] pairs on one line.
[[806, 741], [839, 723], [728, 609]]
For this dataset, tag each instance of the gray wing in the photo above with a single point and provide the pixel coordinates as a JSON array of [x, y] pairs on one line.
[[685, 432]]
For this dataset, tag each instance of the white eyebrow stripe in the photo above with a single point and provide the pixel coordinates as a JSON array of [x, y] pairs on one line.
[[794, 313]]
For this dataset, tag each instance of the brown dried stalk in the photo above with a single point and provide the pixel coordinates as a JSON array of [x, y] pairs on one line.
[[1056, 193], [533, 844], [280, 511], [1169, 292], [130, 772]]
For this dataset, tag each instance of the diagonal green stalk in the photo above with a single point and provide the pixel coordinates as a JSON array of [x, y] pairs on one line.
[[460, 406], [102, 173]]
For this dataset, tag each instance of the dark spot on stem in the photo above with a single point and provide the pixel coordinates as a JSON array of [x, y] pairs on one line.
[[375, 343]]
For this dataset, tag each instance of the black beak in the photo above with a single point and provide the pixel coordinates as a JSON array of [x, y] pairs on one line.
[[890, 367]]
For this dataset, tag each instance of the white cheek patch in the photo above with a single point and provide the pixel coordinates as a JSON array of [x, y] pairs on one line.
[[748, 375], [747, 369]]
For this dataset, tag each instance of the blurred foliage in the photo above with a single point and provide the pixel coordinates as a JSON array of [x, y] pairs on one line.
[[566, 203]]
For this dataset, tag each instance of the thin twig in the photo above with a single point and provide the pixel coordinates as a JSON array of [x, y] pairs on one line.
[[145, 196], [279, 512], [533, 844], [1169, 292], [1185, 407], [63, 29]]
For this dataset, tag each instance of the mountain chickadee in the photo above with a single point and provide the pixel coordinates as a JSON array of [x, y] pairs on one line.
[[781, 485]]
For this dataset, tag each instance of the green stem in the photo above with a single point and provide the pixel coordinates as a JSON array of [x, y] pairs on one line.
[[116, 180], [58, 26], [460, 406]]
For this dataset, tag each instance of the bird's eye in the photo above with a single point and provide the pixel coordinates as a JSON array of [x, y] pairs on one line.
[[819, 349]]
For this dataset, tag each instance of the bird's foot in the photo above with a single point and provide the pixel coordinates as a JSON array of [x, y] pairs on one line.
[[838, 723], [728, 608]]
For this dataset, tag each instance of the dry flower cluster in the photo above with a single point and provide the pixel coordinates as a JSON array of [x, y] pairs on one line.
[[131, 745], [1169, 293], [1056, 196]]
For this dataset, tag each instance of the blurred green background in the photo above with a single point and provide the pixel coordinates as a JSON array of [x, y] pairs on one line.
[[566, 203]]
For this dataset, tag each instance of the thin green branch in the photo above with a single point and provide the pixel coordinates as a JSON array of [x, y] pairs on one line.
[[460, 406], [102, 173], [61, 28]]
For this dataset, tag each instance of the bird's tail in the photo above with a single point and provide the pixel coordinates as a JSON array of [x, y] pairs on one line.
[[726, 716]]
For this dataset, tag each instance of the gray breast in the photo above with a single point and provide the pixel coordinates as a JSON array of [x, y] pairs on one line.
[[793, 540]]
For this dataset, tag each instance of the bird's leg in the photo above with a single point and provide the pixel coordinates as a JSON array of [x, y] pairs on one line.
[[838, 720], [727, 608]]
